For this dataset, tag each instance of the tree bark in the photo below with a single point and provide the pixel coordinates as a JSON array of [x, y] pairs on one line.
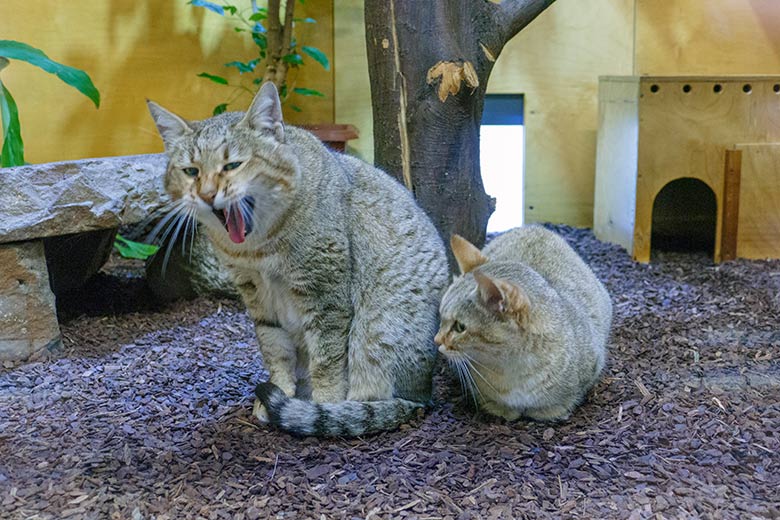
[[429, 64]]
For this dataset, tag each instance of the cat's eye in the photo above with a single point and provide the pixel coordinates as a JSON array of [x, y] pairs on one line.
[[191, 171], [231, 166], [458, 327]]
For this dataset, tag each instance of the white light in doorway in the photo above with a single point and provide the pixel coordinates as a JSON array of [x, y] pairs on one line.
[[501, 161]]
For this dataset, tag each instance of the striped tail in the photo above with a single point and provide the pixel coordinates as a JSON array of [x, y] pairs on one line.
[[343, 419]]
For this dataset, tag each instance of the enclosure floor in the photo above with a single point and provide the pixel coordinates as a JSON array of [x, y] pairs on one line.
[[147, 414]]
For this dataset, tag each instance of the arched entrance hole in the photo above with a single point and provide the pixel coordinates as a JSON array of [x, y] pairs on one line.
[[684, 217]]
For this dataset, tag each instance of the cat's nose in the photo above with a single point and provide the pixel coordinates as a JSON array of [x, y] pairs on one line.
[[208, 196], [439, 339]]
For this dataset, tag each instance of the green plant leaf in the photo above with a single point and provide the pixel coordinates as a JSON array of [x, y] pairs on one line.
[[231, 9], [219, 109], [243, 67], [261, 14], [129, 249], [317, 55], [308, 92], [209, 5], [296, 108], [305, 20], [76, 78], [212, 77], [260, 40], [13, 148], [293, 59]]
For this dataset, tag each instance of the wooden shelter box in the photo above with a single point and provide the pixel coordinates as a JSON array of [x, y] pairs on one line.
[[691, 159]]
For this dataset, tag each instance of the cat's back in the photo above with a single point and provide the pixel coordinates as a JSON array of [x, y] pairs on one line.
[[549, 255]]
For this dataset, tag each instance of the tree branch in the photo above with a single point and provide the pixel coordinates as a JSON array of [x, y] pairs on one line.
[[273, 37], [281, 72], [512, 16]]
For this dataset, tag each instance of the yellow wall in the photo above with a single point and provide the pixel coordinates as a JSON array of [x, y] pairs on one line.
[[708, 37], [133, 50], [353, 90], [556, 62]]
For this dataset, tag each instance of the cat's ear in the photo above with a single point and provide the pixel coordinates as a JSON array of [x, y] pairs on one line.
[[466, 254], [171, 127], [502, 298], [265, 112]]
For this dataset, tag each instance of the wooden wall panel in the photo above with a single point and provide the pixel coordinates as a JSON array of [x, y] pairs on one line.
[[758, 231], [686, 37], [555, 62], [616, 160]]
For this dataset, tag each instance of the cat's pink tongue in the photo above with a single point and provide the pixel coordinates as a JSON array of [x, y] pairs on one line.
[[235, 225]]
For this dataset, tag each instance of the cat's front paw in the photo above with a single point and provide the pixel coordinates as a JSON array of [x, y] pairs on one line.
[[260, 412]]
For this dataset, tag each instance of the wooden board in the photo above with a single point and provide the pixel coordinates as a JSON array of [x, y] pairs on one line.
[[616, 160], [758, 235], [732, 172]]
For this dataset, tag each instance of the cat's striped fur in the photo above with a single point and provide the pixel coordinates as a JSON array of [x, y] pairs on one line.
[[339, 268], [525, 325]]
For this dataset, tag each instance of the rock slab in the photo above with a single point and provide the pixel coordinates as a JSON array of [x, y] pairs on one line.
[[28, 322], [62, 198]]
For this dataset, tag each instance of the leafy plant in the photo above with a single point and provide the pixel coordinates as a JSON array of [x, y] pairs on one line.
[[129, 249], [13, 147], [278, 50]]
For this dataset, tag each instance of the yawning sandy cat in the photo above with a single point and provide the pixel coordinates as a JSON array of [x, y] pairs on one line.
[[339, 268], [525, 325]]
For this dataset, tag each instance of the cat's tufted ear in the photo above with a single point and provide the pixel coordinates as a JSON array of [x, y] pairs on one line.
[[265, 112], [466, 254], [171, 127], [502, 298]]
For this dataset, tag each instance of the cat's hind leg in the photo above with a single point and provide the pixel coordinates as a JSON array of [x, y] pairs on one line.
[[326, 350], [372, 359]]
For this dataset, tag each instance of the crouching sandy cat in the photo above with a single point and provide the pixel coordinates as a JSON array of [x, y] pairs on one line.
[[526, 324], [340, 270]]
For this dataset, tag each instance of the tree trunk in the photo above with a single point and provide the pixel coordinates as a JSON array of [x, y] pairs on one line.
[[429, 63]]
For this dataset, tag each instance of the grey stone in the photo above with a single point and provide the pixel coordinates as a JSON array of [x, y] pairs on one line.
[[28, 323], [75, 196]]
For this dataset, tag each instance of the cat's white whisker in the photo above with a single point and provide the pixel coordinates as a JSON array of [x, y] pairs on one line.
[[183, 217], [460, 378], [189, 232], [467, 380], [173, 211], [472, 367], [194, 233], [484, 366]]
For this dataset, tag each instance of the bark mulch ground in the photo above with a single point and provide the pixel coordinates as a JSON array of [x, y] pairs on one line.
[[147, 414]]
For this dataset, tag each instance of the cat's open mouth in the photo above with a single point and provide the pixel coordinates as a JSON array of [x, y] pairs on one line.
[[237, 218]]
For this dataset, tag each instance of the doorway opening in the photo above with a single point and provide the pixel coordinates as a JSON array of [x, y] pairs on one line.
[[501, 150], [684, 217]]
